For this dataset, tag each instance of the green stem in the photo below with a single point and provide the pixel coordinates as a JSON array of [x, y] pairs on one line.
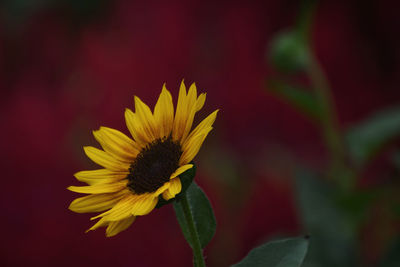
[[339, 170], [329, 121], [197, 251]]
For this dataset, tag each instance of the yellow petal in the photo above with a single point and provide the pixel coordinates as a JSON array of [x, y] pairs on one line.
[[161, 189], [120, 211], [119, 226], [191, 97], [146, 118], [180, 114], [100, 223], [190, 111], [200, 101], [104, 159], [181, 170], [100, 176], [164, 113], [136, 128], [174, 189], [144, 204], [202, 127], [116, 144], [95, 203], [99, 188], [192, 147]]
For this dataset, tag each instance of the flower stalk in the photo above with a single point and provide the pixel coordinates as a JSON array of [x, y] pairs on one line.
[[198, 258]]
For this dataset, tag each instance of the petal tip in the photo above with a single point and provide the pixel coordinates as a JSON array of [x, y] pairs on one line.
[[86, 148]]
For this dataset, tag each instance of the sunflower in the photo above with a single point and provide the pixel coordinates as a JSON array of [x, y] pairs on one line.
[[138, 171]]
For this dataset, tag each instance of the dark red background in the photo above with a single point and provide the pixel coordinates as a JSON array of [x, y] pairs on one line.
[[66, 70]]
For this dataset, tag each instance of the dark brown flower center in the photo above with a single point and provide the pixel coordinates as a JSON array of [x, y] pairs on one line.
[[154, 165]]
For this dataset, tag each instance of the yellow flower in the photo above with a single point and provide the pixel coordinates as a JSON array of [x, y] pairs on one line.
[[138, 171]]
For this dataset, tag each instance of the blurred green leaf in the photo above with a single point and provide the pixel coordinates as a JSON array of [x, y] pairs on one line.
[[392, 257], [288, 52], [396, 159], [332, 232], [202, 214], [300, 98], [356, 204], [15, 13], [280, 253], [366, 138], [396, 210]]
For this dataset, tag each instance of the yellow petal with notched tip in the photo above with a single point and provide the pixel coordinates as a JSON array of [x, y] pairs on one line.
[[104, 159], [174, 189], [119, 226]]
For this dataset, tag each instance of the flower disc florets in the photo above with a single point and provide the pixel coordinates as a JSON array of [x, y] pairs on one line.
[[154, 165]]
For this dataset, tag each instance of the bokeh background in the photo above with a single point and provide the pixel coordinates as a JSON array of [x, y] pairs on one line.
[[306, 141]]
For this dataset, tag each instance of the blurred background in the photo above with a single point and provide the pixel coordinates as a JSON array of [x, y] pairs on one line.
[[306, 142]]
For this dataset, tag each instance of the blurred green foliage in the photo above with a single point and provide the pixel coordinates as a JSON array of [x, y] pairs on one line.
[[392, 257], [16, 13], [396, 160], [331, 230], [365, 139], [288, 52], [333, 210], [300, 98]]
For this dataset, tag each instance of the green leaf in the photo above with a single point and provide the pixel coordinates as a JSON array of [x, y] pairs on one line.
[[280, 253], [202, 214], [289, 52], [186, 180], [300, 98], [365, 139], [332, 231], [392, 257], [356, 204], [395, 159]]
